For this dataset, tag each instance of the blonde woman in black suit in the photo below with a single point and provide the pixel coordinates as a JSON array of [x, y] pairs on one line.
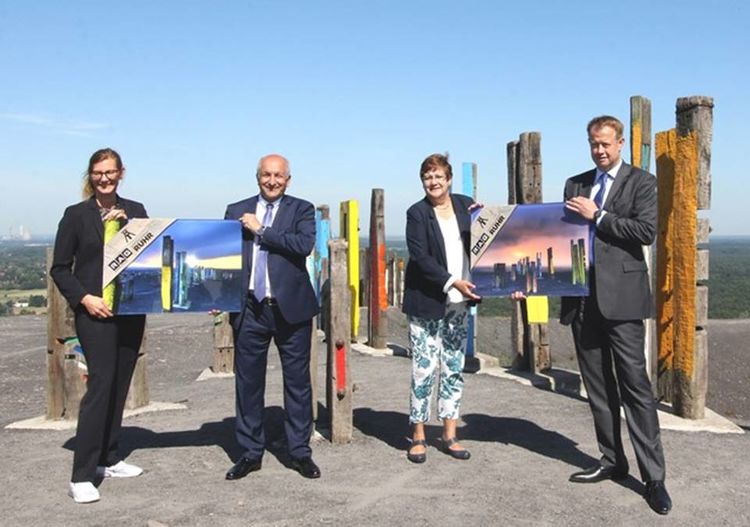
[[110, 343]]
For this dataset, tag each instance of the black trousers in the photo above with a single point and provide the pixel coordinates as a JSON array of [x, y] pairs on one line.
[[111, 350], [260, 323], [613, 367]]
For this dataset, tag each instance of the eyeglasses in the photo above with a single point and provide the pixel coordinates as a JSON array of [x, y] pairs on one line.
[[109, 174], [434, 177]]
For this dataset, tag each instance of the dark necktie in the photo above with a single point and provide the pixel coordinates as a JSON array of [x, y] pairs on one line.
[[261, 259], [599, 198], [598, 201]]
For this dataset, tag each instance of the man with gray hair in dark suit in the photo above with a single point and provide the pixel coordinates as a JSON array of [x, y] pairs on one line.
[[277, 236]]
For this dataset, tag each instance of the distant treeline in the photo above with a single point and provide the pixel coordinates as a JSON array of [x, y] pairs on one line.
[[24, 267]]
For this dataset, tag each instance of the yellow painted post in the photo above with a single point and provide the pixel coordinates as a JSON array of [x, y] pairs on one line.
[[349, 229], [666, 152], [692, 191]]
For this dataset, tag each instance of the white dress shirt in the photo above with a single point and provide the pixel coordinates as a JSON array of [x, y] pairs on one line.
[[260, 212]]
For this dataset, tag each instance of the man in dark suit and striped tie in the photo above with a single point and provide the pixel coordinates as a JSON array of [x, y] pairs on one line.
[[280, 305], [620, 201]]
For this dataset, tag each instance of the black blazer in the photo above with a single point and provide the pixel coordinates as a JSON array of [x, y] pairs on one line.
[[79, 248], [621, 277], [427, 270], [289, 241]]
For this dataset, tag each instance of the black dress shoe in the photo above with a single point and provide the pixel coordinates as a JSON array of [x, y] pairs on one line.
[[598, 473], [243, 467], [657, 497], [306, 466]]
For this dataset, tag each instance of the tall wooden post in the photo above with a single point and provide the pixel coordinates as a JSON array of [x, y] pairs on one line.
[[666, 153], [693, 184], [519, 361], [528, 189], [338, 337], [640, 156], [364, 278], [139, 394], [322, 235], [469, 173], [59, 326], [66, 367], [377, 330], [223, 361], [349, 230]]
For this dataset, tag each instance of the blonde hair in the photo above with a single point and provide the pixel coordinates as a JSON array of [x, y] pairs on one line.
[[96, 157]]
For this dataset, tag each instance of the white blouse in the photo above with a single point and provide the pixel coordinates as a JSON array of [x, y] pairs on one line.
[[458, 261]]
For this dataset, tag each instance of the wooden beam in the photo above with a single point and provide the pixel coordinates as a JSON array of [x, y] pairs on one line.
[[59, 326], [640, 156], [529, 182], [519, 360], [338, 378], [666, 152], [349, 231], [692, 176], [223, 357], [377, 329]]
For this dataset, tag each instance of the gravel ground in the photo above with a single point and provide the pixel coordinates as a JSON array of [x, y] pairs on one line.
[[525, 442]]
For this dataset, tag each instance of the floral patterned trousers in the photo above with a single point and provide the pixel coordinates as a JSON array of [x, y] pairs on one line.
[[438, 346]]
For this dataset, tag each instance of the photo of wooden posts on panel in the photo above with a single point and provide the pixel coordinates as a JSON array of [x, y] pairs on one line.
[[540, 249]]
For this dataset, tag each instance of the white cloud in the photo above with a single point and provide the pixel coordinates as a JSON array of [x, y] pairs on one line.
[[66, 126]]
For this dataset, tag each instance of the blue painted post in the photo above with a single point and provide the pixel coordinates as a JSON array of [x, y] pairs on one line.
[[322, 235], [469, 188]]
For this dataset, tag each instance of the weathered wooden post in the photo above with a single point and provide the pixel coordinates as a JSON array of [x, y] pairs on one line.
[[527, 188], [223, 360], [666, 152], [377, 329], [59, 327], [364, 278], [338, 337], [400, 276], [391, 277], [322, 235], [349, 229], [693, 193], [469, 173], [66, 367], [138, 393], [519, 359], [640, 156]]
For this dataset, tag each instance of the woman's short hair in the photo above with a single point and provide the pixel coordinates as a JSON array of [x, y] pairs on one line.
[[436, 161], [96, 157]]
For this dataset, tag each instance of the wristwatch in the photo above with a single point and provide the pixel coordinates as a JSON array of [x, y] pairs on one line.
[[597, 215], [261, 231]]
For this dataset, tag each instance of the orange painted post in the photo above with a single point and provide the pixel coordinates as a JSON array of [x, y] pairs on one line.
[[666, 153], [377, 328], [692, 191]]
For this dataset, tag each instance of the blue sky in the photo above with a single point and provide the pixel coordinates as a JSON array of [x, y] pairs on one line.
[[354, 93]]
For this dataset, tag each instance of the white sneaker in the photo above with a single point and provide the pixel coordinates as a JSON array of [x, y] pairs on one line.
[[119, 470], [84, 492]]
